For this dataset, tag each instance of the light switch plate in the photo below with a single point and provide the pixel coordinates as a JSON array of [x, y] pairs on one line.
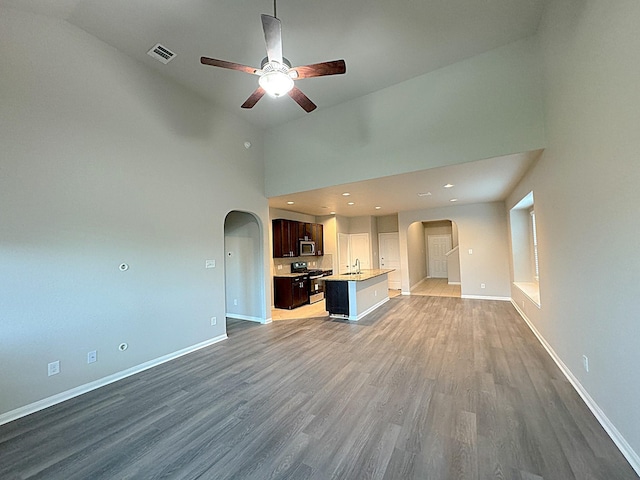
[[209, 264]]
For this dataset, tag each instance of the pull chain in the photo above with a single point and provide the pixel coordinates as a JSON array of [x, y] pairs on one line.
[[274, 9]]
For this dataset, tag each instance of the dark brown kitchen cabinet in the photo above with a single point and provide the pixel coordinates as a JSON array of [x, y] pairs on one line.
[[317, 236], [285, 238], [305, 231], [290, 292], [288, 233]]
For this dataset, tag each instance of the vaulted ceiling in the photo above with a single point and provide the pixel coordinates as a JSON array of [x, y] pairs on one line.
[[382, 42]]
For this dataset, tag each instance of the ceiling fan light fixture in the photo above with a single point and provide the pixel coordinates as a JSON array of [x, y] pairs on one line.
[[276, 80], [276, 84]]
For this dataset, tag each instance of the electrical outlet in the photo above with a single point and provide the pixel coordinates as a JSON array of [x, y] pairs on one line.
[[585, 363], [54, 368], [214, 321], [375, 293], [482, 285], [209, 264], [235, 301], [279, 267], [92, 357], [471, 251]]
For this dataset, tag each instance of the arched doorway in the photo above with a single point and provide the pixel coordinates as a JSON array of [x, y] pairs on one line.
[[434, 259], [244, 267]]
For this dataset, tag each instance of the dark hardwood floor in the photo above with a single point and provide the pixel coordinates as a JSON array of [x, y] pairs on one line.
[[423, 388]]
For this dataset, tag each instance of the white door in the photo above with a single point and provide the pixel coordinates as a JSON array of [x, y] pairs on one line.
[[439, 245], [344, 254], [360, 250], [389, 246]]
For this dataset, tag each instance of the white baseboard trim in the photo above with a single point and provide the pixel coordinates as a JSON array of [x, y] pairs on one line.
[[487, 297], [371, 309], [406, 293], [354, 318], [87, 387], [454, 283], [624, 447], [249, 318]]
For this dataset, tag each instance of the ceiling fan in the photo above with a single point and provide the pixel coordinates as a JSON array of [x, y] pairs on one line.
[[275, 72]]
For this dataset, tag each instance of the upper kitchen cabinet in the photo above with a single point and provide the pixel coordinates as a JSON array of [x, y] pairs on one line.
[[305, 231], [317, 236], [285, 238], [288, 233]]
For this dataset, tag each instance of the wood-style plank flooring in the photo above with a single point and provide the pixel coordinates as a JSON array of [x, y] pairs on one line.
[[423, 388]]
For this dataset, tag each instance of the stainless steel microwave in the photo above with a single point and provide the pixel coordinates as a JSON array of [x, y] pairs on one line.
[[307, 247]]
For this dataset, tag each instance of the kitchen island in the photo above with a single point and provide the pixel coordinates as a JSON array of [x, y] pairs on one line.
[[353, 295]]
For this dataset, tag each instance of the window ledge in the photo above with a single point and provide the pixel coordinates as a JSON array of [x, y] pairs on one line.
[[531, 290]]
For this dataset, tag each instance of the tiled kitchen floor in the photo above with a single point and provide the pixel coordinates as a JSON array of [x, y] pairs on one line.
[[436, 287], [306, 311], [432, 287]]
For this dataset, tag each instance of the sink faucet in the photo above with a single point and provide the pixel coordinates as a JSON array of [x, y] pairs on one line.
[[357, 265]]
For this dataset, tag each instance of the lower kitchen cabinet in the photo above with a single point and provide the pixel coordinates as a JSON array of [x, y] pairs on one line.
[[290, 292], [337, 297]]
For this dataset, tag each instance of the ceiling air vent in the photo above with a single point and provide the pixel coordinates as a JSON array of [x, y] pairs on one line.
[[161, 53]]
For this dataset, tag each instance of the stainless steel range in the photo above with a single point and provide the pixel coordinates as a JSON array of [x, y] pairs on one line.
[[316, 285]]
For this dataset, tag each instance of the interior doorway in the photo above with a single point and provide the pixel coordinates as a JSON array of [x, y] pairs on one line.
[[352, 247], [389, 250], [438, 247], [243, 267]]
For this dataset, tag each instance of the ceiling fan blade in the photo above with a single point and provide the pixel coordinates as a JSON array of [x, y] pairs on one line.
[[230, 65], [272, 37], [336, 67], [253, 99], [302, 100]]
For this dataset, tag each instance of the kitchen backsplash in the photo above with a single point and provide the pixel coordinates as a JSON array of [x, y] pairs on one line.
[[324, 262]]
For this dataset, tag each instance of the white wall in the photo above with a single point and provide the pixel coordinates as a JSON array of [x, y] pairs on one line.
[[243, 265], [104, 162], [483, 107], [586, 200], [387, 223], [481, 227], [521, 245], [415, 249]]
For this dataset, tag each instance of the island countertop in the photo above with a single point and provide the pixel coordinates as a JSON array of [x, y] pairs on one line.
[[357, 277]]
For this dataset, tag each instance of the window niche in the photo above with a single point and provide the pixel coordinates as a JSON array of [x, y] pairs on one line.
[[524, 248]]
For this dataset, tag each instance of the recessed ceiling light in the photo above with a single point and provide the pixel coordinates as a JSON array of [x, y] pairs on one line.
[[290, 203], [378, 208], [448, 185], [351, 203], [425, 194], [346, 194], [453, 200]]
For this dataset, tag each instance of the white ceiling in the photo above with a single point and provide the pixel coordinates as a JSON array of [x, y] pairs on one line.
[[382, 42], [482, 181]]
